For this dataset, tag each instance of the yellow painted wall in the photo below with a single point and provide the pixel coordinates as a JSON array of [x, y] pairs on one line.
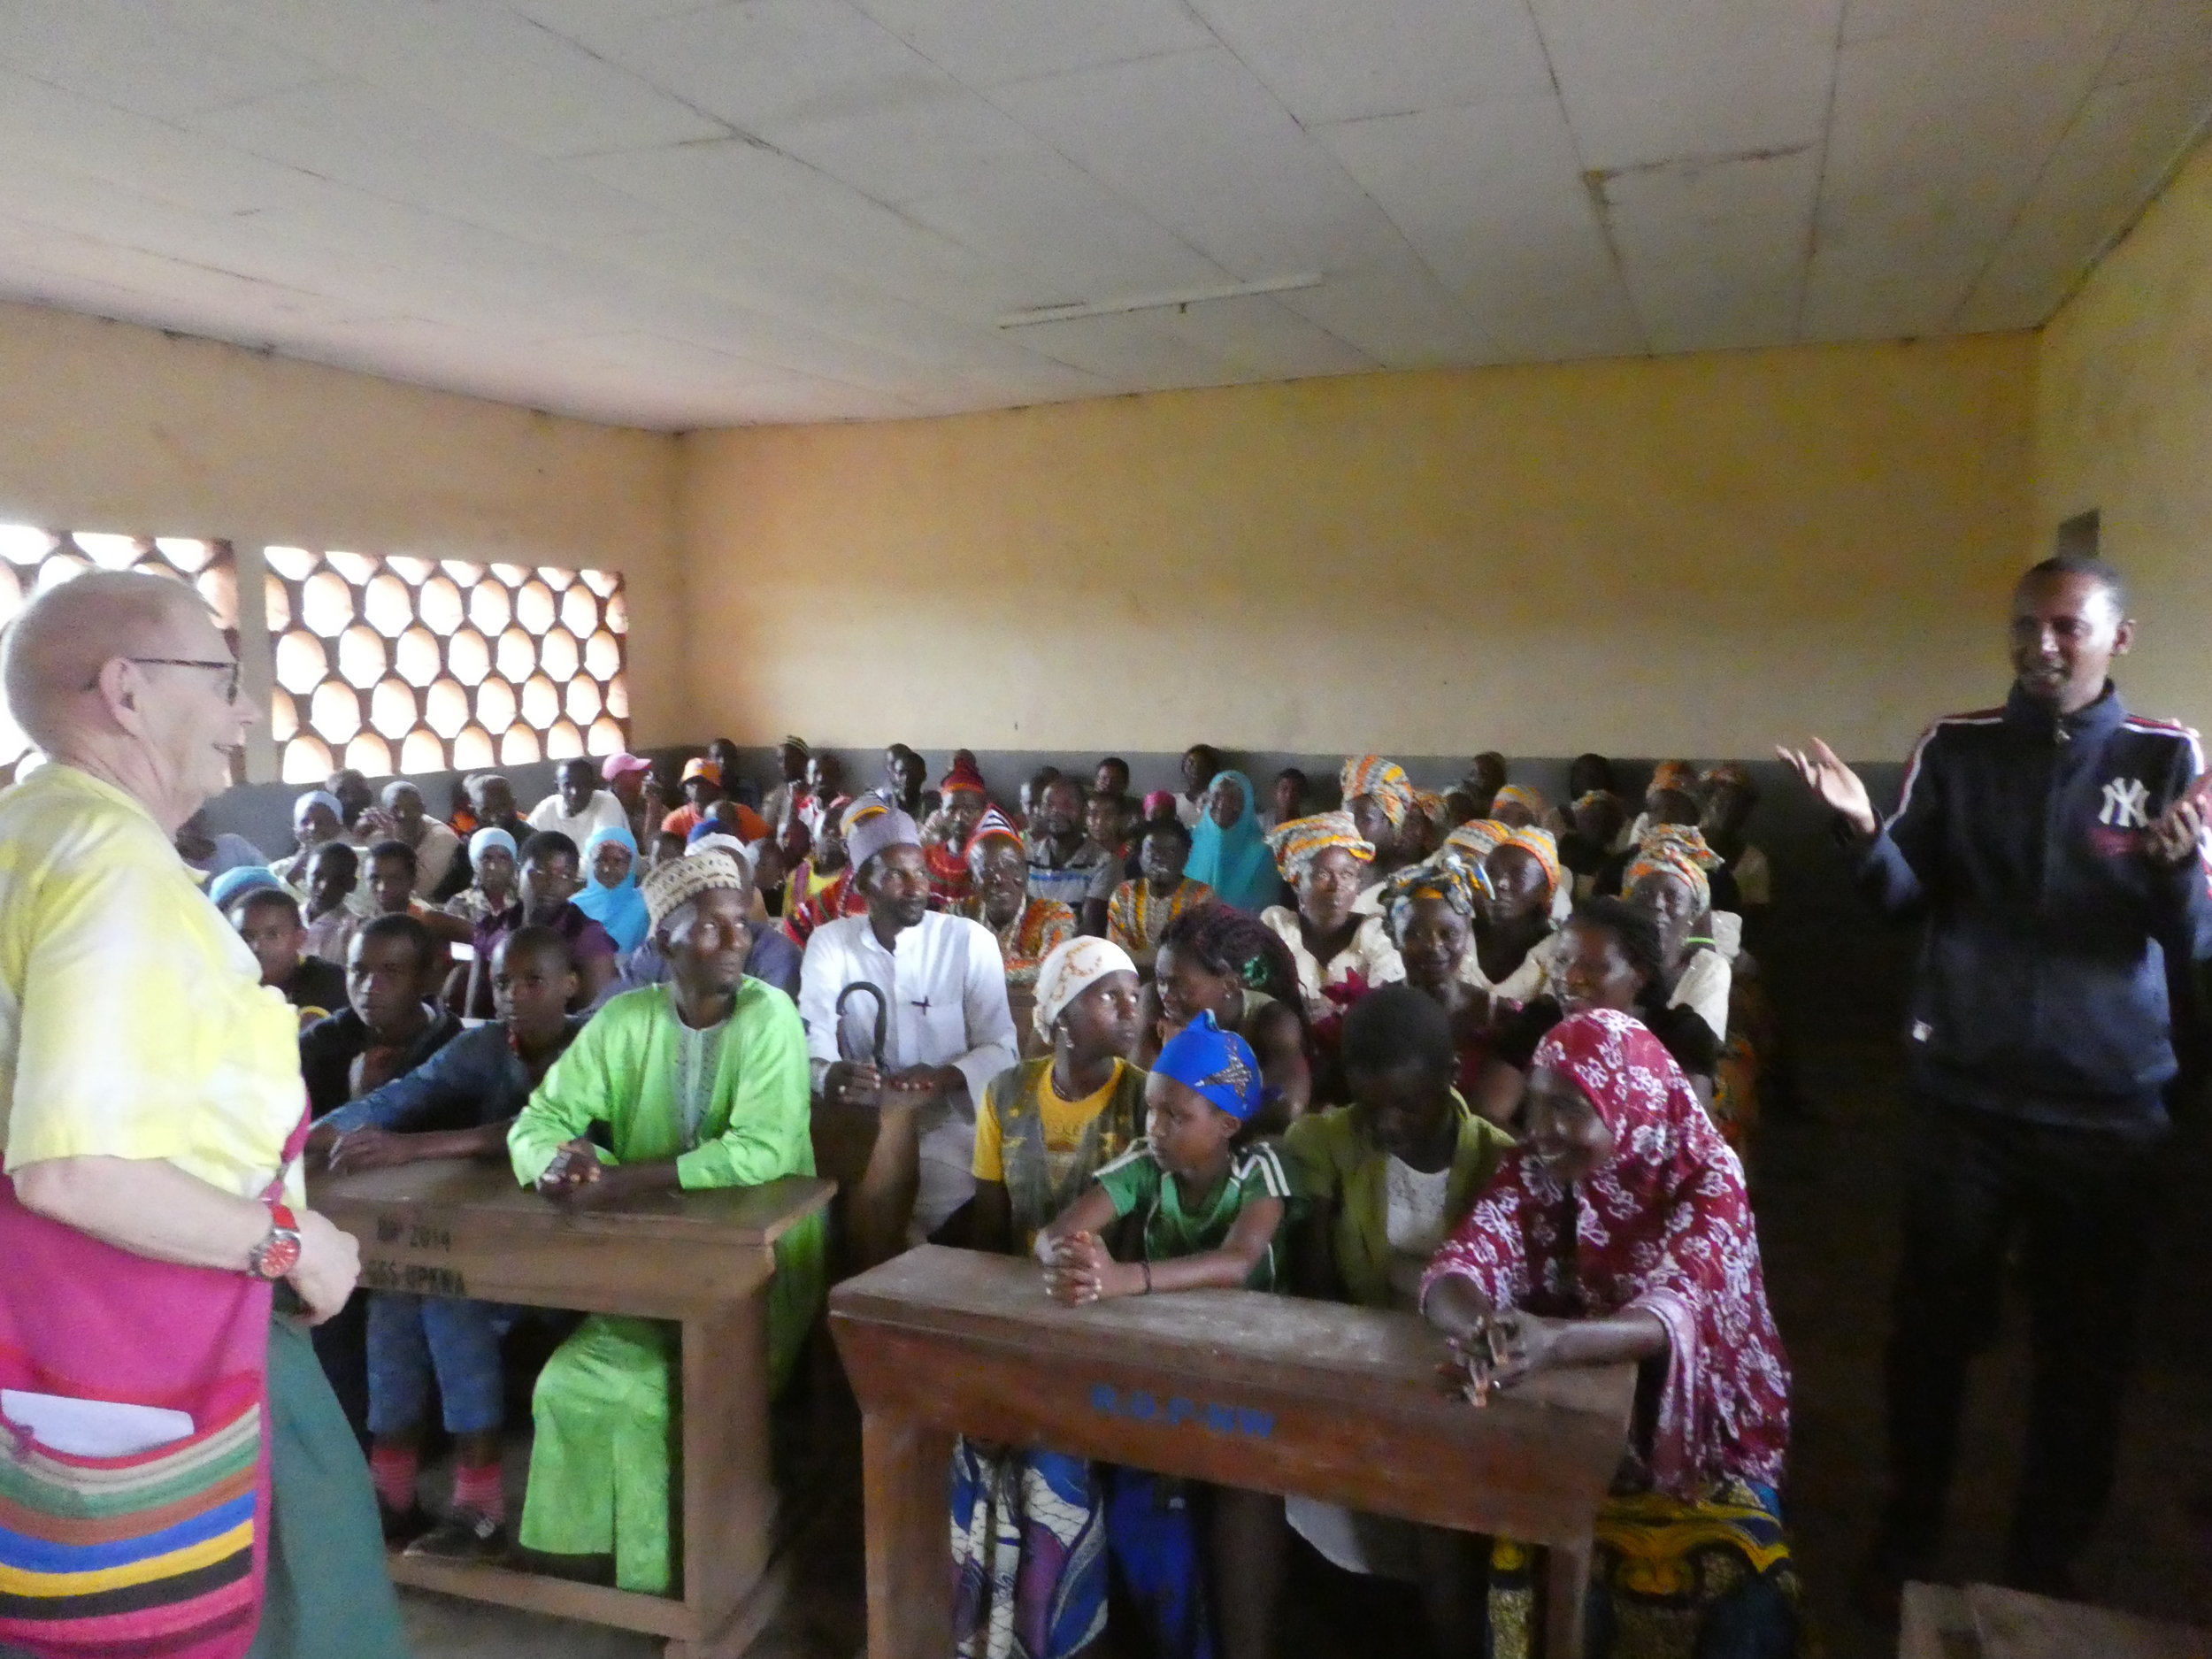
[[2123, 424], [108, 427], [1697, 554]]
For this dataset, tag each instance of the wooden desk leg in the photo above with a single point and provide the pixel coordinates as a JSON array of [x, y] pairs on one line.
[[907, 1474], [1566, 1584], [729, 1495]]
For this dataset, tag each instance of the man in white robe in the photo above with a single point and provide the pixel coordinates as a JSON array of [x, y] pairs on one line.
[[947, 1030]]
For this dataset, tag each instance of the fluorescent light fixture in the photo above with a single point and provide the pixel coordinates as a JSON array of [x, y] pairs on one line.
[[1178, 299]]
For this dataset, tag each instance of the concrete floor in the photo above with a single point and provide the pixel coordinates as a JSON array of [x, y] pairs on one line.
[[1825, 1188]]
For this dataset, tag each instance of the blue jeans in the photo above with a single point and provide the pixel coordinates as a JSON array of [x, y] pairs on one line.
[[412, 1336]]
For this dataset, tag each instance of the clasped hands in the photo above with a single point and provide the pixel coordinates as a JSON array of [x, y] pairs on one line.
[[1499, 1350], [1080, 1269]]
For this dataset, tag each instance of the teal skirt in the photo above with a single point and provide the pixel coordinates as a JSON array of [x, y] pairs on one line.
[[327, 1595]]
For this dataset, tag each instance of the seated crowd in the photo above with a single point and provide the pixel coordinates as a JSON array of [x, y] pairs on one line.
[[1462, 1053]]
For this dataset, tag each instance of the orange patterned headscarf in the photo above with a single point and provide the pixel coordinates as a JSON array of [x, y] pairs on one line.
[[1687, 841], [1521, 794], [1384, 779], [1673, 775], [1475, 838], [1299, 842], [1539, 845], [1659, 857]]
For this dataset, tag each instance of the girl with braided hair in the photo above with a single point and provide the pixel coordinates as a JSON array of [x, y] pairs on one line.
[[1218, 961]]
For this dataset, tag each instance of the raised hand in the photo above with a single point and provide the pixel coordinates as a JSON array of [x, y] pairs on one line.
[[1834, 784], [2179, 835]]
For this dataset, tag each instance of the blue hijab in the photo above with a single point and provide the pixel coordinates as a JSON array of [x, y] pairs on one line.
[[619, 909], [1233, 862]]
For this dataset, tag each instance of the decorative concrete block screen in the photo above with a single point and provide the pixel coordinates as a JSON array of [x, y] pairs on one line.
[[401, 665], [34, 560]]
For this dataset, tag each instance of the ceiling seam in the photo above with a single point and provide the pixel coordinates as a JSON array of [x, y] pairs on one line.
[[1998, 242], [1820, 174], [1593, 184]]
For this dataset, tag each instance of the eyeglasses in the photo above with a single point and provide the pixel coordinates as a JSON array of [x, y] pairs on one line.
[[229, 668]]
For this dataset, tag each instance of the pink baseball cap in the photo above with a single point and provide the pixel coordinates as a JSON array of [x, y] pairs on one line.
[[622, 765]]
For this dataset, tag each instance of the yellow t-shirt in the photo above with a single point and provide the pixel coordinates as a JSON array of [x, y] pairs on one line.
[[1064, 1122], [133, 1020]]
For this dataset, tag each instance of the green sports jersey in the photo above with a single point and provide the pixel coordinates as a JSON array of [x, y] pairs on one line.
[[1137, 1186]]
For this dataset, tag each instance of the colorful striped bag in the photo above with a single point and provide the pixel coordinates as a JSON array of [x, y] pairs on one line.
[[159, 1555]]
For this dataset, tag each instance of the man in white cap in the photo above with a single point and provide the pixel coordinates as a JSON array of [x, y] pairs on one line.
[[947, 1028]]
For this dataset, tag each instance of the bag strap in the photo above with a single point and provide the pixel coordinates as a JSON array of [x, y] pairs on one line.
[[295, 1144]]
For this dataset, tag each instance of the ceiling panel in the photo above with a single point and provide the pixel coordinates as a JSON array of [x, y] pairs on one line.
[[1491, 197], [691, 211], [361, 136], [1111, 347], [2120, 148], [134, 55], [1073, 239], [988, 42], [1714, 253], [1215, 159], [1338, 60], [1695, 79], [913, 149], [2166, 37], [551, 96], [1260, 338], [1397, 312], [767, 61]]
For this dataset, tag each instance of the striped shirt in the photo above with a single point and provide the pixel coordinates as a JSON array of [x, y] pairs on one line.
[[133, 1020]]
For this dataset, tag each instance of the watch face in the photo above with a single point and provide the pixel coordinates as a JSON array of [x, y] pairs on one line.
[[280, 1255]]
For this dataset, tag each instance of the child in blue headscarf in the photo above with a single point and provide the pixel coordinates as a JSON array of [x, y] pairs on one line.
[[610, 895], [1228, 846], [1209, 1206]]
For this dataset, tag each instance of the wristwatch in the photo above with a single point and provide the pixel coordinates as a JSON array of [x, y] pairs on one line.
[[276, 1255]]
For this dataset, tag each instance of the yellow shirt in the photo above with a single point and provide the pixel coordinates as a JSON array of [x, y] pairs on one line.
[[1063, 1121], [133, 1020]]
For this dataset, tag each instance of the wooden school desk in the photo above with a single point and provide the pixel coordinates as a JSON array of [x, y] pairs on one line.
[[1244, 1389], [455, 1227]]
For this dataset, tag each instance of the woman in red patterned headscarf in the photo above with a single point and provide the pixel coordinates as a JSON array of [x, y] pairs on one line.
[[1620, 1230], [945, 836]]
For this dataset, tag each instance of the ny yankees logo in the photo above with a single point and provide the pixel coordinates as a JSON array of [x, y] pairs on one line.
[[2125, 804]]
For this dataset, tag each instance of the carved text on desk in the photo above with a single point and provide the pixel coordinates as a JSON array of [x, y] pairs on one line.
[[416, 1236], [1140, 1405], [413, 1278]]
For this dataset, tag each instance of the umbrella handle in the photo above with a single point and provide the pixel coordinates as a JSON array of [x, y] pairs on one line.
[[883, 1017]]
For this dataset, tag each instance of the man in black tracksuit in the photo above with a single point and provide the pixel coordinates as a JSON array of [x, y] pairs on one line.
[[2052, 850]]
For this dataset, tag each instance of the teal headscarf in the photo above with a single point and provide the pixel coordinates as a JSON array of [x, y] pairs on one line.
[[619, 909], [1234, 862]]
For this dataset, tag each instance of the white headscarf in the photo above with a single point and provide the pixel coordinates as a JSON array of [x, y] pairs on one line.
[[1070, 969]]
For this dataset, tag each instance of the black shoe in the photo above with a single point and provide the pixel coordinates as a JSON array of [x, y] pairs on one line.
[[463, 1535], [402, 1525]]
